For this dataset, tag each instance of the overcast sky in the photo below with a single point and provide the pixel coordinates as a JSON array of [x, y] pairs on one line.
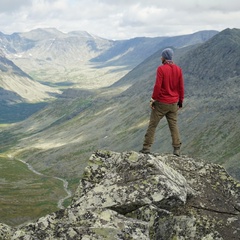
[[120, 19]]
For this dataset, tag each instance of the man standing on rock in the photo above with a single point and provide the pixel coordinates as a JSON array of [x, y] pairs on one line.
[[167, 98]]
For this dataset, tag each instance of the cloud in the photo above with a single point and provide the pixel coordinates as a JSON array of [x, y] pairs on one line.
[[120, 19], [13, 5]]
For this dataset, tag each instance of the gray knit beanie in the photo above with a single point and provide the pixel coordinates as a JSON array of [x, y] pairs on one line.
[[167, 53]]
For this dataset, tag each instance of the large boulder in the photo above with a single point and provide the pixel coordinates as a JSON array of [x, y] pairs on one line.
[[131, 195]]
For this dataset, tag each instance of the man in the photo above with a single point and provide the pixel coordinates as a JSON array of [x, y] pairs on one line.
[[167, 98]]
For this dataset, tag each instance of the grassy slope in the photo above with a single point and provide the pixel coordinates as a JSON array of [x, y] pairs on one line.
[[24, 194], [11, 113]]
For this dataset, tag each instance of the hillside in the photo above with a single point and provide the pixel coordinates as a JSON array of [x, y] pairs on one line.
[[218, 65], [213, 84], [13, 79], [21, 96], [209, 121]]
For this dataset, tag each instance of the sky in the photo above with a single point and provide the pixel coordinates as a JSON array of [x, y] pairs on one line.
[[120, 19]]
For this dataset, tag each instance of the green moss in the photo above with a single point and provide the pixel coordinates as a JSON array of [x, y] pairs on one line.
[[107, 233], [133, 157]]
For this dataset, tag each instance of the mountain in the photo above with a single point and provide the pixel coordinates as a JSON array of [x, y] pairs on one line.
[[134, 51], [51, 44], [21, 96], [59, 59], [212, 83], [227, 59], [12, 78], [8, 66], [74, 58], [12, 44], [143, 196]]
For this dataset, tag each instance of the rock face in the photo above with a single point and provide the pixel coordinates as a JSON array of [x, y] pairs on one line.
[[131, 195]]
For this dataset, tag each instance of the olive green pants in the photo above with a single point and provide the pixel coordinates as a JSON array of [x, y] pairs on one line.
[[170, 111]]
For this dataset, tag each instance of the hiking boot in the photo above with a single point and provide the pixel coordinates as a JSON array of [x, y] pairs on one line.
[[176, 151], [145, 151]]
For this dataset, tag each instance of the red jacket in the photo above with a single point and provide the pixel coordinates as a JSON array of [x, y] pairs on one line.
[[169, 85]]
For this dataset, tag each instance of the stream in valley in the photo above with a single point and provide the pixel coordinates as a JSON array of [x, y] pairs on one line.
[[65, 183]]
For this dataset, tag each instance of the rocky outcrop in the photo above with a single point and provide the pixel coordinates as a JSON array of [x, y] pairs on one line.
[[131, 195]]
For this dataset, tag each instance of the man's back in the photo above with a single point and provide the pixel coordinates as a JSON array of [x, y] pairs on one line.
[[169, 87]]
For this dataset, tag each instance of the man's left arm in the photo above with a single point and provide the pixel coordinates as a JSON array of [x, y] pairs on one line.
[[181, 90]]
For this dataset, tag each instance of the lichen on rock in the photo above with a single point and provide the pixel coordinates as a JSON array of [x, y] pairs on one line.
[[132, 195]]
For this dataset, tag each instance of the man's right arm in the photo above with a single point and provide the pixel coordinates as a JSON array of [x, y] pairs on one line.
[[158, 84]]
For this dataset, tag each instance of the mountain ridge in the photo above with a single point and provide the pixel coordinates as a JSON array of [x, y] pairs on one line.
[[75, 56]]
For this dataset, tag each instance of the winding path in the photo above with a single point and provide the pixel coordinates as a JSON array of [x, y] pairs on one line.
[[65, 183], [69, 193]]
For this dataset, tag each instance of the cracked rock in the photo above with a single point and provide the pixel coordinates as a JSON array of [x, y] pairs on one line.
[[132, 195]]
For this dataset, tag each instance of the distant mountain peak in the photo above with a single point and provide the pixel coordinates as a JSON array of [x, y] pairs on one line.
[[219, 55], [43, 34], [81, 34]]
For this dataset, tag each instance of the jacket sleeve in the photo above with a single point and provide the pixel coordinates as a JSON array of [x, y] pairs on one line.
[[158, 84], [181, 87]]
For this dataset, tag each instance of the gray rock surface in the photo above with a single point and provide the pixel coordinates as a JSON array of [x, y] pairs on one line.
[[131, 195]]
